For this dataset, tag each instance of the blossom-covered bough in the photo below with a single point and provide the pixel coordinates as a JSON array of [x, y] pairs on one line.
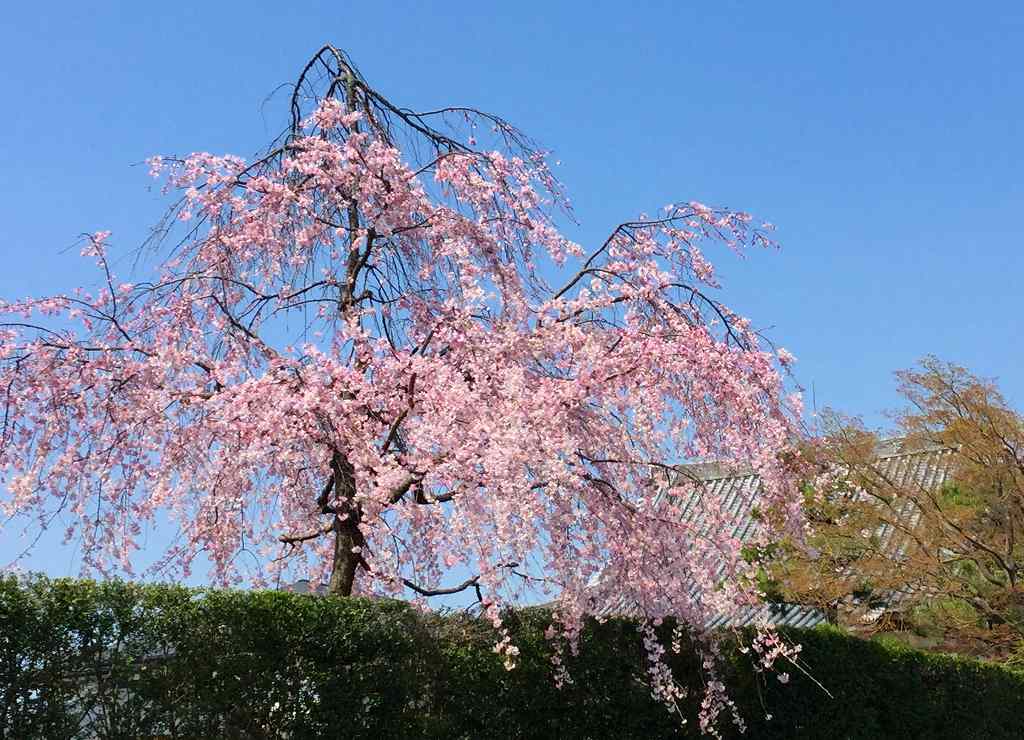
[[371, 355]]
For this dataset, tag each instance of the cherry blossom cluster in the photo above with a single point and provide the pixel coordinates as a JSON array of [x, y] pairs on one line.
[[347, 343]]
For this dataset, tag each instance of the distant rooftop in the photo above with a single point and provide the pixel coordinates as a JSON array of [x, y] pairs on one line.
[[737, 491], [305, 586]]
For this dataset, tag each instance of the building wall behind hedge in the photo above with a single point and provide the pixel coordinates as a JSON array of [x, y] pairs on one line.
[[116, 660]]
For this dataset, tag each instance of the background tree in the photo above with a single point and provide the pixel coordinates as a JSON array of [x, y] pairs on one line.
[[370, 353], [937, 538]]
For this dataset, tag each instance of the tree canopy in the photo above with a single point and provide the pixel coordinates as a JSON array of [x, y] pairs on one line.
[[937, 539], [371, 354]]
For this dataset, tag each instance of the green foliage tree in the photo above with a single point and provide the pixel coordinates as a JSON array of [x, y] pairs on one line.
[[933, 535]]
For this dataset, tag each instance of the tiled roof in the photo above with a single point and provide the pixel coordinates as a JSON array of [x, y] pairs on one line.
[[738, 492], [303, 586], [779, 615], [925, 469]]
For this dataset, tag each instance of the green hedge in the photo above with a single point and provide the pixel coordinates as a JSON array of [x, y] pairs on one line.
[[119, 660]]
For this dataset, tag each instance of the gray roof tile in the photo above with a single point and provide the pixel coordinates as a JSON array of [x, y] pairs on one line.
[[739, 492]]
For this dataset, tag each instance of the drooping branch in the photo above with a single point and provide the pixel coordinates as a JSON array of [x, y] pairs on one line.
[[441, 591], [298, 538], [469, 582]]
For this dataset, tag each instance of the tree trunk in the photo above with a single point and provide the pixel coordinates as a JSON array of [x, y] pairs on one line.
[[343, 574], [348, 539]]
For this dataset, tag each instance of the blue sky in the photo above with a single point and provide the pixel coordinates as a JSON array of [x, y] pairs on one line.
[[884, 140]]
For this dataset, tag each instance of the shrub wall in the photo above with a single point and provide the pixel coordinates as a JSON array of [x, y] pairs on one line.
[[116, 660]]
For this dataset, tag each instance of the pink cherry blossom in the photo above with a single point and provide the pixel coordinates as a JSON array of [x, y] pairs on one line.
[[370, 355]]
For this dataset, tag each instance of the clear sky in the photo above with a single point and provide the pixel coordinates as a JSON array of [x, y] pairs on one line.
[[883, 139]]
